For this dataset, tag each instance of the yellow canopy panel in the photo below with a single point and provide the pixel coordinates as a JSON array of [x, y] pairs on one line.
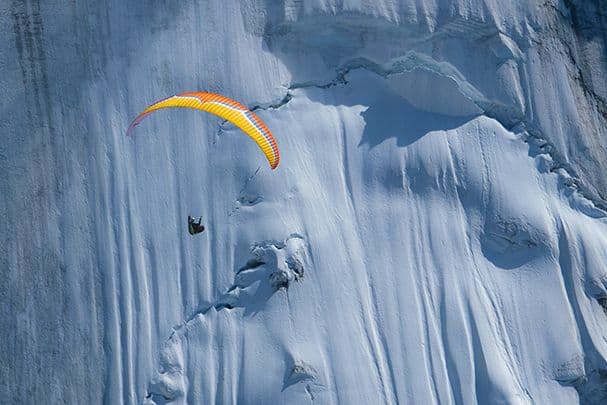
[[225, 108]]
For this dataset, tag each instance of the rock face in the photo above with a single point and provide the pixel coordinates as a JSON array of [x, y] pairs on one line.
[[435, 233]]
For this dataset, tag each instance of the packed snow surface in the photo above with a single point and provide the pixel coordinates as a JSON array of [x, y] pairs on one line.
[[435, 232]]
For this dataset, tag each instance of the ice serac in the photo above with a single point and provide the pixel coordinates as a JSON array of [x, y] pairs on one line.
[[435, 233]]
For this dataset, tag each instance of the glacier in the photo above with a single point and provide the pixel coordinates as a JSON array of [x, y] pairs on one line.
[[436, 231]]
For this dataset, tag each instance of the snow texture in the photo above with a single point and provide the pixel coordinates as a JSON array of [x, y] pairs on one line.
[[435, 233]]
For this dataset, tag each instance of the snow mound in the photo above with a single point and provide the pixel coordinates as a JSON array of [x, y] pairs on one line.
[[272, 266]]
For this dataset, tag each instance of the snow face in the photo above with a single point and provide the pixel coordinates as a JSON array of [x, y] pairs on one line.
[[435, 232]]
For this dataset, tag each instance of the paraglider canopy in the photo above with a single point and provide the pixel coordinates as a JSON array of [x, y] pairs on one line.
[[225, 108]]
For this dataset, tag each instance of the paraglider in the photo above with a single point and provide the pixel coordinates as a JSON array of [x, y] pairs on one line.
[[225, 108], [195, 227]]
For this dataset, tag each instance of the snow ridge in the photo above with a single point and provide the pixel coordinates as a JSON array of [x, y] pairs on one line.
[[272, 266]]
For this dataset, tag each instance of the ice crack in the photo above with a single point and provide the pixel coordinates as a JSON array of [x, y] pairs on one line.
[[510, 117]]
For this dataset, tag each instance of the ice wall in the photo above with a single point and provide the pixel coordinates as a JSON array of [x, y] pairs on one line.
[[434, 234]]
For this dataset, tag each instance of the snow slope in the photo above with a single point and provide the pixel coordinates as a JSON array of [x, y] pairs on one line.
[[435, 232]]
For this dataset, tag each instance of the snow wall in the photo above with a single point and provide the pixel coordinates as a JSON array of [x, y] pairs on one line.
[[435, 232]]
